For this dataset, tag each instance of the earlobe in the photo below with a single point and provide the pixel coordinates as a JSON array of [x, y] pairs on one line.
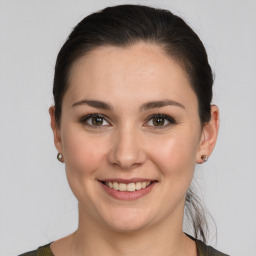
[[55, 129], [209, 136]]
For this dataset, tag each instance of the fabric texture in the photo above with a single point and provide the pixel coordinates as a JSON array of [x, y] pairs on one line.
[[202, 250]]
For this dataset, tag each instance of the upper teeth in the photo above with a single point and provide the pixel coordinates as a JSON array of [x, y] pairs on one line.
[[127, 187]]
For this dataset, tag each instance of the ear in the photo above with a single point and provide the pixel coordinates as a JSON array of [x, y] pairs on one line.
[[56, 130], [209, 135]]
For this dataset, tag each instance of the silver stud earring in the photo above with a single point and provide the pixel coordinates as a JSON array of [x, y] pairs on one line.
[[204, 158], [60, 157]]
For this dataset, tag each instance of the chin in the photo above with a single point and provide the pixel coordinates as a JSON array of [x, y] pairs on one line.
[[127, 221]]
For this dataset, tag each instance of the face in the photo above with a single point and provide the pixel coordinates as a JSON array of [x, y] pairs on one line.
[[130, 135]]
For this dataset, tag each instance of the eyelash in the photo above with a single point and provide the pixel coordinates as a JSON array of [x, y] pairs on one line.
[[84, 120], [161, 116]]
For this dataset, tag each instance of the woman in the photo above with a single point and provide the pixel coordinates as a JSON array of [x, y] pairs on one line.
[[132, 118]]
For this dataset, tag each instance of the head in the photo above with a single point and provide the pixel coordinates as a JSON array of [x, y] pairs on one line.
[[132, 92]]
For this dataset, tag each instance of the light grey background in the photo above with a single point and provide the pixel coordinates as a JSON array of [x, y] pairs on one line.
[[36, 205]]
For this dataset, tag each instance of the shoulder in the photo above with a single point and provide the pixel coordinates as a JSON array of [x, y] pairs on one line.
[[206, 250], [44, 250]]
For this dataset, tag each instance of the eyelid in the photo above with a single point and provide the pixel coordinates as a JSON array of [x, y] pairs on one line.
[[86, 117], [170, 119]]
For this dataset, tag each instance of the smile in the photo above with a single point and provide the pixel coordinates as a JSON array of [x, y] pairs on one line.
[[131, 187], [128, 189]]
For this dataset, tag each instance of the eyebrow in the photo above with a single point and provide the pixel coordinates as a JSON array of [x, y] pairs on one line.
[[159, 104], [146, 106], [94, 104]]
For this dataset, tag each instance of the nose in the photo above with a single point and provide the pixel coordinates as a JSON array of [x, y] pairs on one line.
[[127, 149]]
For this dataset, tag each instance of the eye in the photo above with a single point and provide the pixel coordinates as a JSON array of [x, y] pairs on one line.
[[160, 120], [95, 120]]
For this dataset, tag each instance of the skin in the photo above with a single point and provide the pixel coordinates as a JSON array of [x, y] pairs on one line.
[[129, 145]]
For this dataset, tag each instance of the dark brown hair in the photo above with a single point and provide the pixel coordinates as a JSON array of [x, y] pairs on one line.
[[124, 25]]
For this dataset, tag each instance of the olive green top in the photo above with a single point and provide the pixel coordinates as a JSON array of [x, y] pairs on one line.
[[202, 250]]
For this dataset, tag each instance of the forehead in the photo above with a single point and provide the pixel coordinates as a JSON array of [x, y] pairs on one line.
[[142, 70]]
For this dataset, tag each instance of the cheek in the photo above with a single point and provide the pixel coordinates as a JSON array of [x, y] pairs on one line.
[[82, 153], [83, 156], [176, 154]]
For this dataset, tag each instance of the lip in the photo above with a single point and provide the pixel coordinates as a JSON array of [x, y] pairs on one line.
[[127, 195], [127, 181]]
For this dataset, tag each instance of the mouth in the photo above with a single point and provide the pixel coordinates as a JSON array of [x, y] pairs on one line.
[[127, 187]]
